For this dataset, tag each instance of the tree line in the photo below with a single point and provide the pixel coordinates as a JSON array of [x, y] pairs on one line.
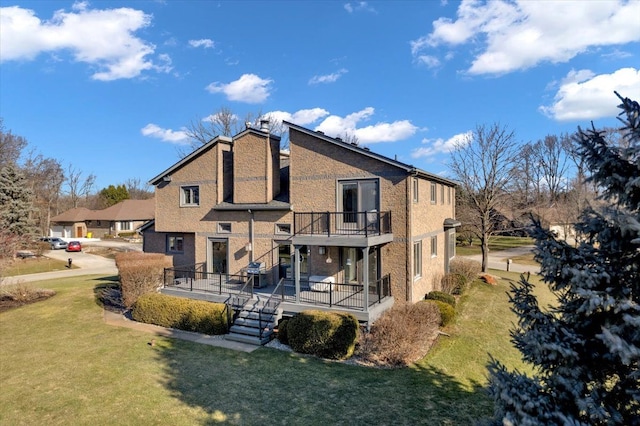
[[505, 184], [35, 188]]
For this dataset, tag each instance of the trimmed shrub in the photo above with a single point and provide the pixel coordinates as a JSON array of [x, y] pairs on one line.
[[443, 297], [140, 273], [469, 269], [447, 312], [184, 314], [282, 331], [454, 284], [330, 335], [402, 335]]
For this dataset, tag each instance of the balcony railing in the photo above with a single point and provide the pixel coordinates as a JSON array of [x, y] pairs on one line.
[[364, 224]]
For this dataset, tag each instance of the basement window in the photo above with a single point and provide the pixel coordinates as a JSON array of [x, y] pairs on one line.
[[224, 228]]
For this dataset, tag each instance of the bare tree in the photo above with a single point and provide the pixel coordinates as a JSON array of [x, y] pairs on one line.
[[137, 189], [77, 187], [45, 176], [11, 146], [552, 160], [349, 138], [484, 165], [225, 123]]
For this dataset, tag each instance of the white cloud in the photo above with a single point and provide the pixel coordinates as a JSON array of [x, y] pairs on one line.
[[429, 61], [166, 135], [585, 96], [521, 34], [329, 78], [103, 38], [302, 117], [379, 132], [248, 88], [359, 6], [204, 42], [441, 146]]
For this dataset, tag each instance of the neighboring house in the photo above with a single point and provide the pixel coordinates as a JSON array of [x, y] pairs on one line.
[[124, 217], [321, 222]]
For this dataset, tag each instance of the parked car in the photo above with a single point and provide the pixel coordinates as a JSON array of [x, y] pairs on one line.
[[74, 246], [55, 242]]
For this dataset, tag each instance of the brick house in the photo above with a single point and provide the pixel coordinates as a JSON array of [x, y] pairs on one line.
[[121, 218], [321, 224]]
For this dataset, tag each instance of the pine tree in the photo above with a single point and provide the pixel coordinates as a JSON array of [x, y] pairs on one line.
[[15, 202], [586, 349]]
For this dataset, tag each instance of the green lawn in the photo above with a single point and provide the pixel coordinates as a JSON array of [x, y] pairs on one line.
[[62, 364], [495, 244], [35, 265]]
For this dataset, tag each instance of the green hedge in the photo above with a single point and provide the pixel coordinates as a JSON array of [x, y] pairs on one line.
[[447, 312], [330, 335], [183, 314], [441, 296]]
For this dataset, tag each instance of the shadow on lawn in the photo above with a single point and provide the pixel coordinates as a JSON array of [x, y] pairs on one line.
[[271, 386]]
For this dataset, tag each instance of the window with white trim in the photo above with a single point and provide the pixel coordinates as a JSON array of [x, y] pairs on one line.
[[434, 193], [175, 244], [125, 226], [417, 259], [189, 195], [224, 228], [283, 228]]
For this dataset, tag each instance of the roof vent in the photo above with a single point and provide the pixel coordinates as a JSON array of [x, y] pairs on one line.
[[354, 143], [338, 138], [264, 125], [366, 148], [166, 178], [320, 131]]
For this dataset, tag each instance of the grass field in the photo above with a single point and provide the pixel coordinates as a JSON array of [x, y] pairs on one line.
[[496, 243], [61, 364], [34, 265]]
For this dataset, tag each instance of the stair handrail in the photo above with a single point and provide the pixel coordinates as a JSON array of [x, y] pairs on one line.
[[268, 304], [235, 299]]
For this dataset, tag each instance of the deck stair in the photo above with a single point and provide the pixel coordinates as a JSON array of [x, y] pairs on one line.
[[254, 322]]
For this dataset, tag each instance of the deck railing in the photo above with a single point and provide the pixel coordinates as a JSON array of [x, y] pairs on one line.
[[366, 224], [240, 289]]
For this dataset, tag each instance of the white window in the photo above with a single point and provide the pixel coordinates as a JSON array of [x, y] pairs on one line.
[[417, 259], [434, 193], [224, 228], [283, 228], [434, 246], [175, 244], [415, 190], [189, 196], [125, 226]]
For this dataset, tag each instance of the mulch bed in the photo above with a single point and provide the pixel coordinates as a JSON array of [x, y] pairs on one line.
[[8, 302]]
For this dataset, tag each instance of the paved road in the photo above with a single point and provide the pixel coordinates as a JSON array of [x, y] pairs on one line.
[[498, 260]]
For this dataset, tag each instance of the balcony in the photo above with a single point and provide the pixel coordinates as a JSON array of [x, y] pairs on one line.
[[348, 229]]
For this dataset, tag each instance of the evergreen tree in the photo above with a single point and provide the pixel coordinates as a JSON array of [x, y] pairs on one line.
[[586, 349], [112, 195], [15, 202]]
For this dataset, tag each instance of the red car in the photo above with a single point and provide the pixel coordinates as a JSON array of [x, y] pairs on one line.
[[74, 246]]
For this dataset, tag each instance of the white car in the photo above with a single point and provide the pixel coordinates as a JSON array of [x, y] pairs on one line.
[[55, 242]]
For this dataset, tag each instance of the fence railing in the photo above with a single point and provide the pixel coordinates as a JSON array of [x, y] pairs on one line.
[[366, 224]]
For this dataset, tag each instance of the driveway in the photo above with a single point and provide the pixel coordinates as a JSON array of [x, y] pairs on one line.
[[88, 264], [498, 260]]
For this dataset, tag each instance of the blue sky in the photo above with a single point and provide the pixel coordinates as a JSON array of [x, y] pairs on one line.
[[109, 86]]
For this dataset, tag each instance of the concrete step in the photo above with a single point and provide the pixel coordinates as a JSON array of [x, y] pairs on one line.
[[252, 340], [249, 331], [256, 315], [251, 322]]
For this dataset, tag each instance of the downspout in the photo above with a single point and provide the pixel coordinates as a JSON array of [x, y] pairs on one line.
[[409, 262], [251, 225]]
